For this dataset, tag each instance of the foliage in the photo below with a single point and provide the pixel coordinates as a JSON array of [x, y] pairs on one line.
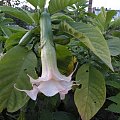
[[89, 40], [90, 97], [110, 29]]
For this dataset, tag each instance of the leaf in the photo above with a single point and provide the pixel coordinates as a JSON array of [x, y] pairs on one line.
[[16, 28], [116, 33], [35, 17], [6, 21], [91, 96], [6, 31], [103, 19], [102, 16], [20, 14], [3, 38], [114, 45], [36, 3], [14, 67], [61, 16], [115, 24], [115, 99], [13, 40], [109, 16], [113, 83], [91, 37], [61, 39], [114, 108], [57, 5], [64, 59]]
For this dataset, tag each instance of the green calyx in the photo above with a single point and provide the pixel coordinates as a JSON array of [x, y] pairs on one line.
[[46, 29]]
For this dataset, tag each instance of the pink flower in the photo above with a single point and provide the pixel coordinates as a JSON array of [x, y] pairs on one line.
[[51, 81]]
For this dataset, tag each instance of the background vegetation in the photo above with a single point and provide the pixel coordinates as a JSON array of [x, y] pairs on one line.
[[72, 27]]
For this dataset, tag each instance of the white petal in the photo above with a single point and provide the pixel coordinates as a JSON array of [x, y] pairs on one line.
[[67, 85], [50, 88], [62, 96], [36, 81], [31, 93]]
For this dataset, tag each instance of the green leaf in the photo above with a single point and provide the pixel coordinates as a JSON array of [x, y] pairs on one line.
[[35, 17], [2, 38], [14, 67], [61, 39], [61, 16], [6, 21], [109, 16], [91, 96], [64, 59], [115, 99], [91, 37], [6, 31], [113, 83], [103, 19], [36, 3], [20, 14], [57, 5], [114, 108], [13, 40], [114, 45], [115, 24], [102, 16], [16, 28]]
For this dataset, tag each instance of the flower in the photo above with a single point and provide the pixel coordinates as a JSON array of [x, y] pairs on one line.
[[51, 81]]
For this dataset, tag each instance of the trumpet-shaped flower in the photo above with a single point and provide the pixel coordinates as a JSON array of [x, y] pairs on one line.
[[51, 81]]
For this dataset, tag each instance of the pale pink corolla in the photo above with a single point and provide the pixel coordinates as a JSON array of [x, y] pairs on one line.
[[51, 81]]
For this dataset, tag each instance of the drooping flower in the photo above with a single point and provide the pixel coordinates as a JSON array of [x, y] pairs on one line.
[[51, 81]]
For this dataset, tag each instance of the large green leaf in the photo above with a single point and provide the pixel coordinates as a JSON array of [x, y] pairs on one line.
[[20, 14], [91, 37], [36, 3], [114, 45], [14, 66], [57, 5], [91, 96]]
